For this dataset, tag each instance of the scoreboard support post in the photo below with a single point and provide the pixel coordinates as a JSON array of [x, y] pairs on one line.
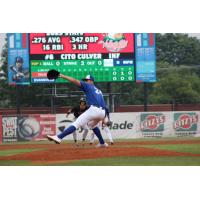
[[145, 97], [113, 103], [109, 90], [18, 99], [53, 110]]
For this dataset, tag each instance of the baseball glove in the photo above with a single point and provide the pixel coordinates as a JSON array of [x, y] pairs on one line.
[[53, 74]]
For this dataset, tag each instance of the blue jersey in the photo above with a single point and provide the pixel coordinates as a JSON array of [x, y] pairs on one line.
[[93, 95]]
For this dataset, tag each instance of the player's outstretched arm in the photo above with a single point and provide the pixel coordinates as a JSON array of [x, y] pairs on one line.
[[70, 79], [54, 74]]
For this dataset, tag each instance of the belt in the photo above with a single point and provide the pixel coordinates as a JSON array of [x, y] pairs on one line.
[[99, 107]]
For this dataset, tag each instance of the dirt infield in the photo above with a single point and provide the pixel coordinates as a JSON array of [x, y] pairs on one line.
[[52, 153]]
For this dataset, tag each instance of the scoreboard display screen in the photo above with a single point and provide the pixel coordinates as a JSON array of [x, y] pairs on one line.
[[107, 57], [145, 54]]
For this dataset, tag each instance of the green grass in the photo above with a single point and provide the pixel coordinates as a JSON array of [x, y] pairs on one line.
[[14, 163], [17, 151], [137, 161], [119, 161]]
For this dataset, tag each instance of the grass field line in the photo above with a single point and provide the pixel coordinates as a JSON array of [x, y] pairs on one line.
[[12, 152]]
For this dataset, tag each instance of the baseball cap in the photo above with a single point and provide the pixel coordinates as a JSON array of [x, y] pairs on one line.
[[19, 59], [88, 77], [82, 100]]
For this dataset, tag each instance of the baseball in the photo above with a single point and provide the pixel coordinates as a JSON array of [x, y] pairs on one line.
[[30, 127]]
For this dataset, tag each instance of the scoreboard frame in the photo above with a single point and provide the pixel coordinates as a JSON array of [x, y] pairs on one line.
[[108, 58], [105, 59]]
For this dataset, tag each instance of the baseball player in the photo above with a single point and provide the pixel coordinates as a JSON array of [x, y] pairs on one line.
[[77, 111], [91, 117], [19, 74]]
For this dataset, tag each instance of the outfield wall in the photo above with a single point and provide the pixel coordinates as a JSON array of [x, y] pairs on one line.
[[124, 125], [146, 124]]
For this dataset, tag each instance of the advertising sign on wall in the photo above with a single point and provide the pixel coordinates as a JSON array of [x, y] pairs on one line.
[[18, 59], [152, 124], [9, 125], [127, 125], [36, 127], [185, 124]]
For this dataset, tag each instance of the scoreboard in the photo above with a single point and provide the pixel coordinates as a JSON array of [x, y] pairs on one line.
[[108, 57]]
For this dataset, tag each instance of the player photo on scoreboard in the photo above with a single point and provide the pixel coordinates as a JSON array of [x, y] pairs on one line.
[[18, 59]]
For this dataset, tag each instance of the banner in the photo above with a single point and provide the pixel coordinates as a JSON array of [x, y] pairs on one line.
[[47, 125], [35, 127], [122, 126], [9, 125], [18, 59], [155, 124], [152, 124], [185, 124], [143, 125], [128, 125]]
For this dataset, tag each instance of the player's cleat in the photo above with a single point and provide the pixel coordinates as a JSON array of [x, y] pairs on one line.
[[91, 143], [112, 143], [54, 138], [101, 145], [83, 143], [76, 144]]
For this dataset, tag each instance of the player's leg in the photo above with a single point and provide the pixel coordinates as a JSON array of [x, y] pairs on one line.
[[85, 132], [82, 120], [107, 130], [75, 137], [91, 117], [58, 138], [92, 138], [97, 132]]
